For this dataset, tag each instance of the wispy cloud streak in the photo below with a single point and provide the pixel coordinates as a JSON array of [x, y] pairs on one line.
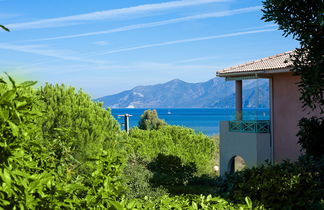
[[192, 60], [183, 41], [44, 51], [39, 50], [108, 14], [159, 23]]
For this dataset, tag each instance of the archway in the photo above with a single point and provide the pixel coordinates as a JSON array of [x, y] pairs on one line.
[[236, 163]]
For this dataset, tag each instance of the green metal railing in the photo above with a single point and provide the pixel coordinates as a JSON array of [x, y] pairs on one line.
[[250, 126]]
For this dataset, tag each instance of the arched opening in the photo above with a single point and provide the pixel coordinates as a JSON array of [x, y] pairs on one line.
[[236, 163]]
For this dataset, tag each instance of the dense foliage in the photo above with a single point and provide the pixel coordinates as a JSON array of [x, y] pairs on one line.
[[167, 160], [303, 20], [73, 119], [150, 120], [311, 136], [287, 185], [145, 169], [32, 176], [178, 141], [40, 155], [190, 202]]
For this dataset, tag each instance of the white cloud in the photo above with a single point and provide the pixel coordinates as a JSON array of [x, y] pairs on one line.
[[39, 50], [101, 43], [158, 23], [73, 56], [8, 15], [107, 14], [183, 41], [196, 59], [148, 66], [45, 51]]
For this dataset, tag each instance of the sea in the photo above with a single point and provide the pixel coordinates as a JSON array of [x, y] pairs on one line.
[[201, 120]]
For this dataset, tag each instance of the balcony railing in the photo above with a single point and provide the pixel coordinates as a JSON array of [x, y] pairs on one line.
[[250, 126]]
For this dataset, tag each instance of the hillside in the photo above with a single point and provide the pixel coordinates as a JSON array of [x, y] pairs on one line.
[[214, 93]]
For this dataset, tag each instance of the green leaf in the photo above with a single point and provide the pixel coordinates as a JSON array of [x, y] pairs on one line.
[[27, 84], [194, 205], [14, 128], [6, 177], [8, 96], [248, 202], [20, 104], [4, 28], [116, 205], [2, 81], [11, 80], [4, 114]]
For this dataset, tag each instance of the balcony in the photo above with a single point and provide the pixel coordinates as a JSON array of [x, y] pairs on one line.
[[246, 138], [249, 140], [250, 126]]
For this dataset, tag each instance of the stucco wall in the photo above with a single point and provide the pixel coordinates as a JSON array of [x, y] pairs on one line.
[[254, 148], [287, 110]]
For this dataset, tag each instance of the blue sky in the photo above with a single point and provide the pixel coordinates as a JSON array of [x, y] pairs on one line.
[[105, 47]]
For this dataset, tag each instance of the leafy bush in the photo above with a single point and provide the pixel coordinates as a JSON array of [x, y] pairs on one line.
[[168, 170], [39, 164], [72, 120], [32, 177], [190, 202], [311, 136], [170, 158], [138, 180], [279, 186], [150, 120], [178, 141]]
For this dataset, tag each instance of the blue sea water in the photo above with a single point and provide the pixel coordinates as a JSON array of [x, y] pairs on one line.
[[201, 120]]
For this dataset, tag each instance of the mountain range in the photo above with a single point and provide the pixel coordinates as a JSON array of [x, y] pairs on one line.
[[214, 93]]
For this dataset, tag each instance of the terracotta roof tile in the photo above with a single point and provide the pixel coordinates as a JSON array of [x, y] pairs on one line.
[[272, 63]]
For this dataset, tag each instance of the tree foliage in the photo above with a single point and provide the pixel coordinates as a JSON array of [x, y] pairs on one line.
[[38, 155], [150, 120], [177, 141], [304, 20], [72, 118], [32, 175], [298, 185], [311, 136]]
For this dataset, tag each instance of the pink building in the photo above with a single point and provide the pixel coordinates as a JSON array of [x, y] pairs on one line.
[[257, 141]]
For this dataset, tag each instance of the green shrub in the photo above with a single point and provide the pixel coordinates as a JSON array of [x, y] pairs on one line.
[[279, 186], [34, 177], [311, 136], [168, 158], [39, 164], [72, 120], [168, 170], [190, 202], [138, 180], [178, 141]]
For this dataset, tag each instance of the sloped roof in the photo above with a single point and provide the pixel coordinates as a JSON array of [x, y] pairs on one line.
[[273, 64]]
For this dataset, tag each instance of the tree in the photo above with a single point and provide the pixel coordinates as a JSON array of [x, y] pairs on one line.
[[304, 20], [72, 120], [4, 28], [150, 120]]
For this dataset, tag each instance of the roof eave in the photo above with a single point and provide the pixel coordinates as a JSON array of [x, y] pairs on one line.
[[249, 73]]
